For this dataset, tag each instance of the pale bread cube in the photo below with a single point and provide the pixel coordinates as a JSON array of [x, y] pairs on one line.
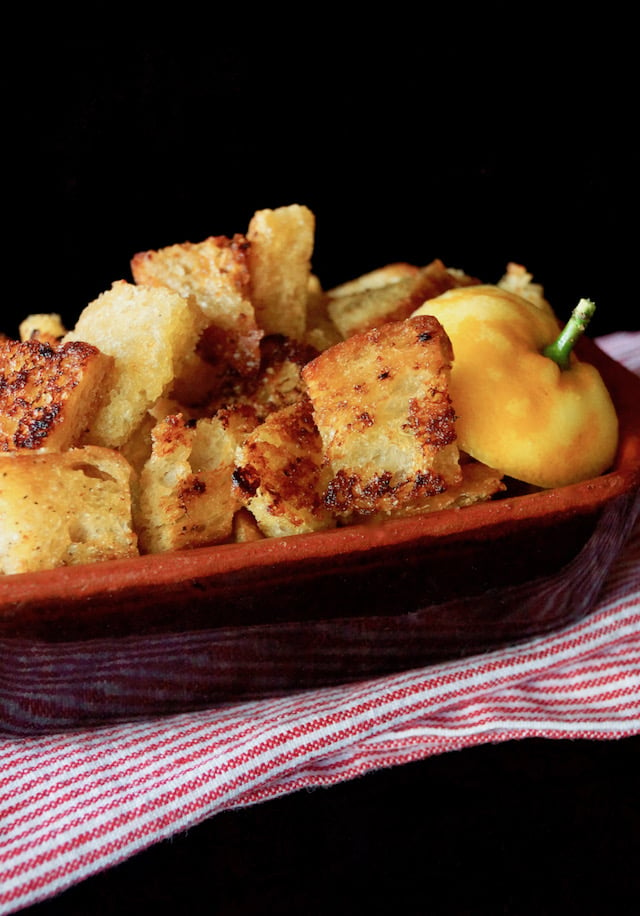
[[64, 508], [280, 473], [150, 332], [356, 312], [49, 394], [279, 381], [186, 496], [368, 301], [215, 274], [375, 279], [517, 279], [281, 246], [46, 327], [137, 448], [320, 331], [382, 407]]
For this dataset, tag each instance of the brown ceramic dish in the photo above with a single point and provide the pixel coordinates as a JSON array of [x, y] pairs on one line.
[[171, 632]]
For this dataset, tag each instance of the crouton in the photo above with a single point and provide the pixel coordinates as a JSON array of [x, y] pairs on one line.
[[358, 307], [137, 448], [382, 408], [47, 328], [149, 332], [478, 483], [375, 279], [64, 508], [518, 280], [279, 381], [49, 394], [281, 246], [354, 313], [213, 273], [186, 496], [320, 331], [280, 473]]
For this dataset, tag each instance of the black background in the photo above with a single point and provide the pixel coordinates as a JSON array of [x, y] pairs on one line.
[[467, 135], [473, 135]]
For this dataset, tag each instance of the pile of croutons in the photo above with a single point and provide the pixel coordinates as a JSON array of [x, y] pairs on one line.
[[223, 395]]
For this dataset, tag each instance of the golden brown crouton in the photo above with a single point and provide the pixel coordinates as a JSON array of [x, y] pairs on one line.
[[280, 252], [279, 381], [354, 313], [64, 508], [518, 280], [47, 328], [49, 394], [382, 407], [462, 278], [375, 279], [478, 483], [150, 332], [280, 474], [215, 274], [186, 495], [320, 332], [357, 307]]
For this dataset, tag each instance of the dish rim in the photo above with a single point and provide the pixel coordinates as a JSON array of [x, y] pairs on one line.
[[81, 583]]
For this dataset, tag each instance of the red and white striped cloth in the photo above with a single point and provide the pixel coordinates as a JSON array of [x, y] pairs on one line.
[[77, 802]]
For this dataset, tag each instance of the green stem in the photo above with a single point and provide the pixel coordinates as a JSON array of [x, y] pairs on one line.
[[560, 350]]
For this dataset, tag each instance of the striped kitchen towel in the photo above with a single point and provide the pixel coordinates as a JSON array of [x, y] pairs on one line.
[[75, 802]]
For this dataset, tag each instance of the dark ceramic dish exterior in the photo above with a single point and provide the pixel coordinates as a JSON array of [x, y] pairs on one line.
[[167, 633]]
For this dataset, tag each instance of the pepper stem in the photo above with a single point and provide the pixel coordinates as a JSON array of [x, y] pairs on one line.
[[560, 350]]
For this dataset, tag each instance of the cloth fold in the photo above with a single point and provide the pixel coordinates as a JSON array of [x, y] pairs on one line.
[[74, 803]]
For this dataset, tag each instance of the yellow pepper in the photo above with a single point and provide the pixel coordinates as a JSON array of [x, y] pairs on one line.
[[526, 405]]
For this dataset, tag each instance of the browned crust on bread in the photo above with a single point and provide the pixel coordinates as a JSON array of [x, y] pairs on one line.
[[356, 307], [280, 473], [48, 394], [382, 407]]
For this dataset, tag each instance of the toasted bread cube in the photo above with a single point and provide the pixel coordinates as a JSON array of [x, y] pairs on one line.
[[215, 274], [279, 381], [462, 278], [64, 508], [518, 280], [321, 333], [382, 407], [150, 332], [280, 473], [478, 483], [355, 313], [186, 493], [47, 328], [375, 279], [357, 307], [49, 394], [281, 246], [137, 448]]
